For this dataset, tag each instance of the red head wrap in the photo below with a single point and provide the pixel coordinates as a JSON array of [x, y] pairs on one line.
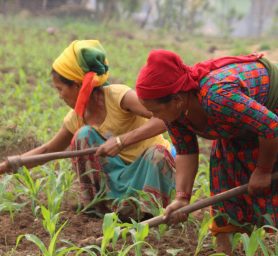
[[165, 73]]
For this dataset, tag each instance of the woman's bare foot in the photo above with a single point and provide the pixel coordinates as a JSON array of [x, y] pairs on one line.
[[223, 243]]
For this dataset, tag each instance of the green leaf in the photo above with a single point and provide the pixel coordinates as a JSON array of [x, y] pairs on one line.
[[34, 239], [245, 240], [236, 240], [52, 245], [263, 247]]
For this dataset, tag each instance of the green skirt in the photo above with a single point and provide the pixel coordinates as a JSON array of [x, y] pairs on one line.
[[152, 172]]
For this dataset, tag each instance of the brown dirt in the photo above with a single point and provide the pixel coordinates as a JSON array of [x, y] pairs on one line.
[[81, 226]]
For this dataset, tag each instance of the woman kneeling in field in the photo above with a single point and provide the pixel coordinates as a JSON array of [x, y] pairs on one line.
[[131, 155], [233, 101]]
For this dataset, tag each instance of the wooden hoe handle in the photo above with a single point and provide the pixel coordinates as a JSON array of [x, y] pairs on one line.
[[14, 162]]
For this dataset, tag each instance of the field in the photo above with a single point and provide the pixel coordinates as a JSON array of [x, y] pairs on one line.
[[38, 207]]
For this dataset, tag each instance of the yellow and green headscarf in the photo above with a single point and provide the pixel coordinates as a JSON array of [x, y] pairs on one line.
[[83, 61]]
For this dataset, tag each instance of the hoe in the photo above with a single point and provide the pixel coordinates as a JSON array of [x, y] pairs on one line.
[[17, 161]]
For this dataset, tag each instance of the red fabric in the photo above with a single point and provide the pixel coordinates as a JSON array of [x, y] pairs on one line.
[[88, 84], [165, 73]]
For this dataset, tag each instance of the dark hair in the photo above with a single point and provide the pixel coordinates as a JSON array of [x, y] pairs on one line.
[[61, 78], [169, 97], [165, 99]]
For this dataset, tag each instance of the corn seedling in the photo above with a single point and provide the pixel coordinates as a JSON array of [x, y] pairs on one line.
[[203, 232], [255, 242], [8, 197], [29, 187], [91, 250], [50, 222], [112, 230], [51, 250], [100, 195], [126, 250], [252, 243], [139, 232], [56, 186]]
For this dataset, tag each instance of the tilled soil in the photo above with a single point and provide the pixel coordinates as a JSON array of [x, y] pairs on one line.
[[79, 227]]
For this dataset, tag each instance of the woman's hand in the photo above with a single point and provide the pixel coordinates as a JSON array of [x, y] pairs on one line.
[[178, 217], [259, 181], [111, 147]]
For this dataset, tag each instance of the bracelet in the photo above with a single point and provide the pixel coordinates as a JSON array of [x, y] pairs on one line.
[[183, 195], [119, 142]]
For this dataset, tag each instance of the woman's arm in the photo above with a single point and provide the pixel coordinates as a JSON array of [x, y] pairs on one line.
[[252, 117], [151, 128], [130, 102], [186, 169], [59, 142]]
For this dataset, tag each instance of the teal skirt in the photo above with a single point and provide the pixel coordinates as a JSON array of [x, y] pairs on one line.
[[152, 172]]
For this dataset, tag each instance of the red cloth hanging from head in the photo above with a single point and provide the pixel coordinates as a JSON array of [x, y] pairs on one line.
[[88, 85], [165, 73]]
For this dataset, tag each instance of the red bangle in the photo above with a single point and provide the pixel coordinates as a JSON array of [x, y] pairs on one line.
[[183, 195]]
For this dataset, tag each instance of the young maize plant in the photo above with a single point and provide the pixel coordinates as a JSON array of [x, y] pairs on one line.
[[50, 224], [30, 187], [8, 196], [113, 230], [256, 242]]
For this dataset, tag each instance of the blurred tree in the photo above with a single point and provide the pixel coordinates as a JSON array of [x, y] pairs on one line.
[[150, 4], [195, 13], [226, 14], [166, 13], [182, 15], [31, 5], [259, 15], [107, 10], [3, 7], [274, 27], [129, 7]]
